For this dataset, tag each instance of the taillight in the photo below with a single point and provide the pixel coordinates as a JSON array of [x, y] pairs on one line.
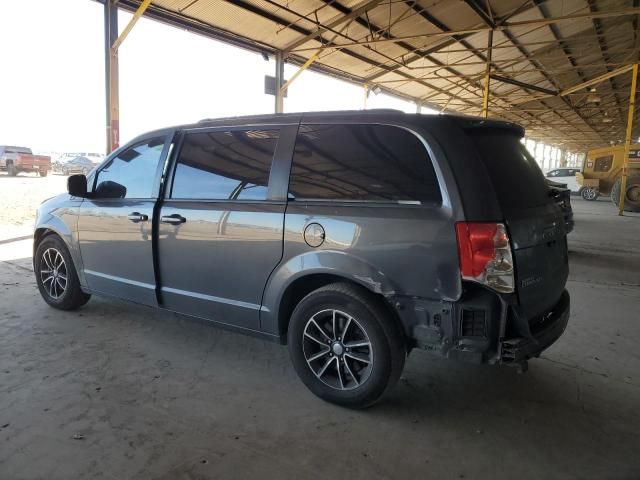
[[485, 255]]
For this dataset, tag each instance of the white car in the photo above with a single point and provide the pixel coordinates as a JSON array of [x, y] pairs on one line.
[[565, 175]]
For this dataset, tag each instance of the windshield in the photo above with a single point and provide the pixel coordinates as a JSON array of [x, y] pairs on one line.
[[516, 177]]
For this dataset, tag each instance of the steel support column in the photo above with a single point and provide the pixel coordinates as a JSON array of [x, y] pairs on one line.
[[627, 139], [487, 77], [112, 79], [111, 75], [279, 107]]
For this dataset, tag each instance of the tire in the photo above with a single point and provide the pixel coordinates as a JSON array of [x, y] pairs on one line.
[[589, 194], [12, 170], [337, 370], [632, 200], [52, 265], [43, 173]]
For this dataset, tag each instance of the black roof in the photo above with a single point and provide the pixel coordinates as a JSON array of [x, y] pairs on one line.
[[373, 115]]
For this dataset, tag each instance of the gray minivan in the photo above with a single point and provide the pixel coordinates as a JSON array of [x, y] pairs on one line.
[[353, 237]]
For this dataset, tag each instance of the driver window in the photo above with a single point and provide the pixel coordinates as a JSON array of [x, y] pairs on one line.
[[131, 174]]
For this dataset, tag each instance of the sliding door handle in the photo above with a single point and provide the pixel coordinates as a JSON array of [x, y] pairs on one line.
[[136, 217], [175, 219]]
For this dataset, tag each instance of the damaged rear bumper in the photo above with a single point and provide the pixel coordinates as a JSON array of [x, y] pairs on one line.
[[543, 334]]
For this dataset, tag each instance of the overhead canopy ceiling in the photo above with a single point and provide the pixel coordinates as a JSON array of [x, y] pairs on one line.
[[435, 52]]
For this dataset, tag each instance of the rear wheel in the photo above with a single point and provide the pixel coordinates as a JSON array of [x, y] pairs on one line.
[[632, 197], [56, 275], [589, 193], [12, 170], [344, 346], [43, 172]]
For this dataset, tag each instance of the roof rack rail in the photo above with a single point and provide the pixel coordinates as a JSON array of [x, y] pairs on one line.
[[328, 112]]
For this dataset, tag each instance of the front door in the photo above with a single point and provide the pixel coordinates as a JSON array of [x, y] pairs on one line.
[[114, 224], [221, 230]]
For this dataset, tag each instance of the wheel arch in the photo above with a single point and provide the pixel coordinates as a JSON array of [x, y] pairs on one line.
[[59, 228], [292, 281]]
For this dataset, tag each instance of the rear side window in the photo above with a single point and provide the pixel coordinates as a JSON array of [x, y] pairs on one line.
[[225, 165], [375, 163], [516, 177]]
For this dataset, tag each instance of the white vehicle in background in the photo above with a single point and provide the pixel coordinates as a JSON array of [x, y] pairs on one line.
[[566, 176]]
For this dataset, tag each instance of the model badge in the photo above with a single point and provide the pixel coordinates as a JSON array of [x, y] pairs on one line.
[[527, 282]]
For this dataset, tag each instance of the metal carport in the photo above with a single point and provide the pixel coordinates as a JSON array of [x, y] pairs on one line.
[[560, 68]]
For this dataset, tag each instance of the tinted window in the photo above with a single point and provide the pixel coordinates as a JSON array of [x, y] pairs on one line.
[[132, 172], [603, 164], [515, 175], [225, 165], [363, 163]]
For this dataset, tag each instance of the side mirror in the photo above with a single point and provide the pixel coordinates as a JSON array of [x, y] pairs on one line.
[[77, 186], [110, 189]]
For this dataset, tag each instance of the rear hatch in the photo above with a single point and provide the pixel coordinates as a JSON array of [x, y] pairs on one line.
[[534, 220]]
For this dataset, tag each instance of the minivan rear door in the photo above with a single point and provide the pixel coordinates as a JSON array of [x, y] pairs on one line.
[[220, 228], [534, 221]]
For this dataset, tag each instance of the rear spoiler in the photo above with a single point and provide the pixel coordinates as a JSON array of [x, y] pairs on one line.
[[475, 123]]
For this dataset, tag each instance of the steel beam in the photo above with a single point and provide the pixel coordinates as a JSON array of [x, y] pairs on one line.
[[111, 76], [279, 107], [526, 86], [468, 31], [597, 80], [302, 68], [487, 77], [627, 139], [136, 16], [340, 19]]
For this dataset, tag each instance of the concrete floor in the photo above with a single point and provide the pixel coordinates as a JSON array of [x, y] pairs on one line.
[[148, 394]]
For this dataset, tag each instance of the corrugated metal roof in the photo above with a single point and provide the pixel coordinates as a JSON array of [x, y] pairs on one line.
[[406, 47]]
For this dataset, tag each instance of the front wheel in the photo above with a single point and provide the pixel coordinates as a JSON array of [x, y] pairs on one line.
[[632, 197], [12, 170], [43, 172], [56, 275], [588, 193], [345, 346]]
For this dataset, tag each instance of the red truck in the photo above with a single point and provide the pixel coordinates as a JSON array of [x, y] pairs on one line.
[[14, 160]]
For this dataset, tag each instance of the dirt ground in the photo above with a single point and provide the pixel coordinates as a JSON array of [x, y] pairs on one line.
[[119, 391], [21, 195]]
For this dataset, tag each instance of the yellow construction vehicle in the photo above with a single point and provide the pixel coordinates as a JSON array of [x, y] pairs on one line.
[[602, 174]]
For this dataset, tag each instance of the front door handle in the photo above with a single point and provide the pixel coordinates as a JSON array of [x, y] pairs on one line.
[[175, 219], [136, 217]]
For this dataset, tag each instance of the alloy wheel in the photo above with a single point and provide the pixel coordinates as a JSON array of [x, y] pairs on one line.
[[337, 349], [53, 273]]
